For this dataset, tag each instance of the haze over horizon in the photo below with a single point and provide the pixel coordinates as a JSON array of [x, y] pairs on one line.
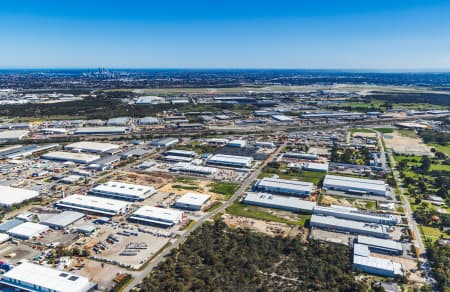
[[351, 35]]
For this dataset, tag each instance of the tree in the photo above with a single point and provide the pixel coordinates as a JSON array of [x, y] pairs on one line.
[[426, 163], [403, 164]]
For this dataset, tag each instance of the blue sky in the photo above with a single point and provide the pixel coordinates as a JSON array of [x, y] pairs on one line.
[[340, 34]]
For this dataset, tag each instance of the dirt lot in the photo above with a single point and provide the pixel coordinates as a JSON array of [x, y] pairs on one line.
[[365, 134], [22, 252], [409, 265], [103, 275], [406, 145], [335, 237], [270, 228], [357, 203]]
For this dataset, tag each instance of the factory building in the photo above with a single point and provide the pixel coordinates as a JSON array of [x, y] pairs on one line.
[[173, 158], [359, 186], [265, 144], [93, 147], [192, 168], [284, 186], [93, 205], [237, 143], [62, 220], [364, 262], [10, 196], [162, 217], [101, 131], [218, 141], [287, 203], [348, 226], [165, 142], [12, 135], [82, 158], [282, 119], [16, 152], [231, 160], [319, 167], [148, 121], [299, 155], [183, 153], [27, 230], [123, 191], [32, 277], [106, 162], [356, 215], [378, 245], [192, 201], [333, 115]]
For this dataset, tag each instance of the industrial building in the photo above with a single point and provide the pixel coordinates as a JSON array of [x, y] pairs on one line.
[[300, 155], [364, 262], [27, 230], [183, 153], [19, 151], [319, 167], [123, 191], [173, 158], [334, 115], [287, 203], [192, 168], [94, 205], [378, 245], [101, 131], [93, 147], [32, 277], [162, 217], [165, 142], [62, 220], [354, 185], [192, 201], [356, 215], [10, 224], [218, 141], [148, 121], [231, 160], [12, 135], [265, 144], [10, 196], [237, 143], [106, 162], [282, 118], [284, 186], [348, 226], [82, 158]]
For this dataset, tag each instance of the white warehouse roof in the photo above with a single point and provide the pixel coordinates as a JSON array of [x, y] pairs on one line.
[[284, 185], [349, 225], [69, 156], [123, 190], [281, 202], [13, 134], [27, 230], [195, 199], [93, 204], [232, 160], [349, 183], [93, 146], [378, 242], [28, 275], [157, 215], [10, 196], [378, 264]]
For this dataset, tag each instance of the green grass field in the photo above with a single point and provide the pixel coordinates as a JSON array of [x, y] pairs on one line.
[[442, 148], [385, 130], [224, 188], [433, 233]]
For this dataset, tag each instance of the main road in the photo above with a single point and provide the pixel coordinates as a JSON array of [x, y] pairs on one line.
[[161, 256]]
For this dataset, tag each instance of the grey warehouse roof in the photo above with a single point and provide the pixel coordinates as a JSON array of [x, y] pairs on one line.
[[63, 219]]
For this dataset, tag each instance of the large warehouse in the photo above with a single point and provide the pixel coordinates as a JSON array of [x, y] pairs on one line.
[[63, 219], [288, 203], [95, 205], [162, 217], [123, 191], [354, 227], [101, 131], [192, 201], [32, 277], [93, 147], [192, 168], [364, 262], [284, 186], [231, 160], [378, 245], [355, 185], [70, 156], [356, 215], [10, 196], [27, 230]]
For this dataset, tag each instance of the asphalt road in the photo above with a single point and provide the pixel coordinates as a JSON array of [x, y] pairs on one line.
[[160, 257]]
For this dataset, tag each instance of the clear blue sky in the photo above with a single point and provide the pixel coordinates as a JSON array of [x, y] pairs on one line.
[[353, 34]]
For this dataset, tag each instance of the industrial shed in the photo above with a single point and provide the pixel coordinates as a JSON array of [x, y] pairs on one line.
[[356, 215], [93, 147], [161, 217], [82, 158], [349, 226], [231, 160], [63, 219], [123, 191], [355, 185], [27, 230], [287, 203], [10, 196], [192, 201], [284, 186], [93, 205]]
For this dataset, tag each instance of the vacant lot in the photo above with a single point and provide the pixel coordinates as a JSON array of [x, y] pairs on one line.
[[406, 143]]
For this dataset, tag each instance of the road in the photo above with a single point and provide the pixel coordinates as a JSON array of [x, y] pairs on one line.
[[160, 257]]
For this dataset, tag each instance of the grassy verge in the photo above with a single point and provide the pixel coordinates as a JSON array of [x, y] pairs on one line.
[[215, 206], [224, 188], [385, 130], [189, 226]]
